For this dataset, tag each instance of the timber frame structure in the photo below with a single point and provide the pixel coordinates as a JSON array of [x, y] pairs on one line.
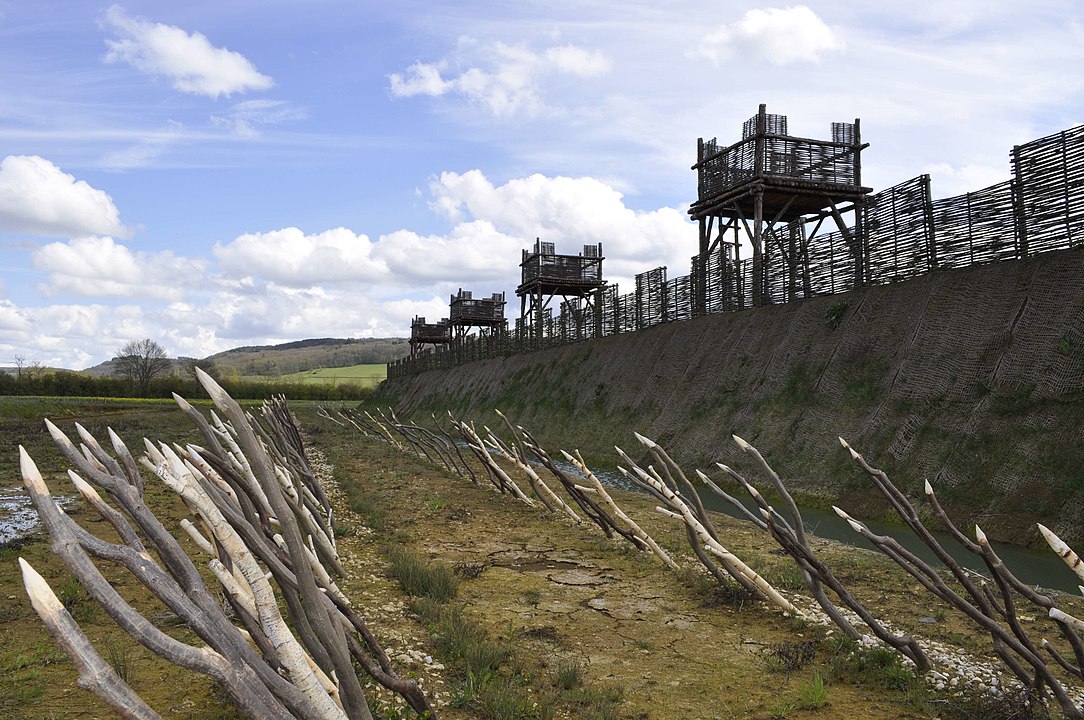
[[899, 233], [772, 184], [545, 275], [466, 312], [423, 333]]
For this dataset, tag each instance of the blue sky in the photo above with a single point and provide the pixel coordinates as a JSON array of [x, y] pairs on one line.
[[214, 174]]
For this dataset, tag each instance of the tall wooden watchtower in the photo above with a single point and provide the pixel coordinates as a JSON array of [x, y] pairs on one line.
[[546, 275], [771, 185], [466, 312], [423, 333]]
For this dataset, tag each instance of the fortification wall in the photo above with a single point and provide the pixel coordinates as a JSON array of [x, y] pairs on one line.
[[972, 378]]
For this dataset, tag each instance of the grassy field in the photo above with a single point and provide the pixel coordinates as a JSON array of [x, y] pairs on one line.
[[369, 375]]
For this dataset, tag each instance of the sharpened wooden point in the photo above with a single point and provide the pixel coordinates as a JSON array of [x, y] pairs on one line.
[[41, 595], [980, 535], [30, 473], [928, 488], [83, 487], [741, 442], [646, 441]]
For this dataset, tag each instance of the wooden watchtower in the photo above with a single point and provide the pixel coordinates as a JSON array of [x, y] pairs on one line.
[[771, 185], [423, 333], [466, 312], [546, 275]]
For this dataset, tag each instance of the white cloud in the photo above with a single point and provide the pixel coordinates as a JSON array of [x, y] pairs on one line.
[[577, 61], [189, 60], [146, 150], [506, 79], [284, 284], [947, 181], [290, 257], [473, 253], [420, 79], [778, 35], [101, 267], [39, 198], [571, 212], [567, 211], [245, 119]]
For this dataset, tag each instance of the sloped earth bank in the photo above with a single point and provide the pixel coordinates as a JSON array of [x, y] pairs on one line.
[[972, 378], [562, 592]]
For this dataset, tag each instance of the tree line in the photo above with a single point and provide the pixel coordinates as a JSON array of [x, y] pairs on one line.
[[144, 370]]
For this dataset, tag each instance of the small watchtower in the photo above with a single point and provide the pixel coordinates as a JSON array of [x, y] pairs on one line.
[[545, 275], [772, 184], [486, 314], [423, 333]]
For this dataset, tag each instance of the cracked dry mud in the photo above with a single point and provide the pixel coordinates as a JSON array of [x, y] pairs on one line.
[[562, 591]]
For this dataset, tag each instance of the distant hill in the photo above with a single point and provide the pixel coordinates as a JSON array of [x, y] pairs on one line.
[[301, 355], [291, 357]]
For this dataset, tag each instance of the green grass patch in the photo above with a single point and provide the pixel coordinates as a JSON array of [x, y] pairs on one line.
[[420, 578], [367, 375]]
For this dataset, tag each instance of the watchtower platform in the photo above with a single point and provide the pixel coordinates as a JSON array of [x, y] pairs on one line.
[[423, 333], [546, 275], [770, 179], [486, 314]]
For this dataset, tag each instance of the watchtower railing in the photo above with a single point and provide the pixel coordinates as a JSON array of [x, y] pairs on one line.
[[544, 265], [463, 309], [772, 152]]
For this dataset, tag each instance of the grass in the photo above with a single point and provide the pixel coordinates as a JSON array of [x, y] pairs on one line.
[[367, 375], [876, 667], [814, 693], [419, 578], [122, 659], [712, 593], [568, 675], [835, 314]]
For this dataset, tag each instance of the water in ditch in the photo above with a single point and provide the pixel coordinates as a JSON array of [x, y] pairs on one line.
[[1033, 567]]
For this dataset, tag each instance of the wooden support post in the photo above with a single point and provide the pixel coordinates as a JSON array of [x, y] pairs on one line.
[[758, 249]]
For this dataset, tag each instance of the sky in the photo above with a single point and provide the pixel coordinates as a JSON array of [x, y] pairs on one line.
[[211, 175]]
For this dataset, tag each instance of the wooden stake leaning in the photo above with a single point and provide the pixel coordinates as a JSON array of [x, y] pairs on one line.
[[677, 507], [264, 518], [996, 616]]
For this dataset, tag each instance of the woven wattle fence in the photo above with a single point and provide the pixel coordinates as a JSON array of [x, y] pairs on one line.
[[904, 233]]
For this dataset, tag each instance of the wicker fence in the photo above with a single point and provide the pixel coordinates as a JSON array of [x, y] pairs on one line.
[[904, 234]]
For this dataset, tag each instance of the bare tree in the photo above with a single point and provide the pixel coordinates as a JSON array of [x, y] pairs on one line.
[[141, 361]]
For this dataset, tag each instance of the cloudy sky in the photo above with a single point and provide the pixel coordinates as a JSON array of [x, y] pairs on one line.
[[214, 174]]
